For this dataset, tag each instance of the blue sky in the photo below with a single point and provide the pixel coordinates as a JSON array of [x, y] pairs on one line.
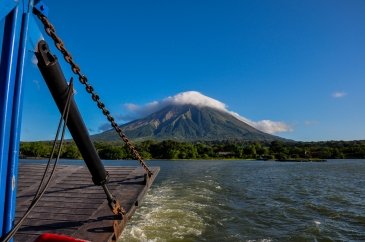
[[301, 63]]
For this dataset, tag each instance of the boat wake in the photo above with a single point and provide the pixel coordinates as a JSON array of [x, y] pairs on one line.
[[166, 215]]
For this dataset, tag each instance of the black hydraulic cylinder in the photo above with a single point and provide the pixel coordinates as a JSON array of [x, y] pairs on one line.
[[56, 82]]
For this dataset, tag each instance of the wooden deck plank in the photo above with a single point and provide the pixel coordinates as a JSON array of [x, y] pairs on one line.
[[73, 205]]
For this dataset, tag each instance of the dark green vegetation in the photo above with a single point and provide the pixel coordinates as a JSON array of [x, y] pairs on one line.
[[210, 150], [188, 123]]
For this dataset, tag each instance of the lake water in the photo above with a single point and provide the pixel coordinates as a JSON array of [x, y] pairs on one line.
[[251, 201]]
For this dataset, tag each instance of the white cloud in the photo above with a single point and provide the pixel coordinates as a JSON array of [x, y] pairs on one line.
[[267, 126], [196, 98], [136, 111], [339, 94], [271, 127]]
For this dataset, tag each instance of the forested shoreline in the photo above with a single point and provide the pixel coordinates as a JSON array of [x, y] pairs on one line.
[[276, 150]]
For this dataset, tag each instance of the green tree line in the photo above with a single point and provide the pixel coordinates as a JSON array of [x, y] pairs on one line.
[[208, 150]]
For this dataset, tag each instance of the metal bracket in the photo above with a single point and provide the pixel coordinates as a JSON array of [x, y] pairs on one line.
[[117, 229], [118, 224], [121, 218], [41, 7], [118, 211], [113, 203]]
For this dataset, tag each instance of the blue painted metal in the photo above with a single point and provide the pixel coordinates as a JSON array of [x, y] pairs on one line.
[[6, 6], [9, 59], [10, 202], [13, 55], [34, 34]]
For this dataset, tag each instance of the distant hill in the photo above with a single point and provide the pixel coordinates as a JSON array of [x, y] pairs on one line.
[[188, 123]]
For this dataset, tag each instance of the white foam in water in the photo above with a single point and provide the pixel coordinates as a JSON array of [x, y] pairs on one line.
[[165, 215], [138, 233]]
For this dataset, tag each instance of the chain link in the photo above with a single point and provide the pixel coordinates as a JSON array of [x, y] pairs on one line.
[[51, 31]]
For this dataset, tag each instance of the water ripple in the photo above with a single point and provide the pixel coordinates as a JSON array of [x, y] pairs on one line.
[[253, 201]]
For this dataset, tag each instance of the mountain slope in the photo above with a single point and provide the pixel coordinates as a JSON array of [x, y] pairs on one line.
[[188, 123]]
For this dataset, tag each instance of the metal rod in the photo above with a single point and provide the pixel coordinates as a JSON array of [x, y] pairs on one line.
[[10, 203], [56, 82], [8, 69], [109, 195]]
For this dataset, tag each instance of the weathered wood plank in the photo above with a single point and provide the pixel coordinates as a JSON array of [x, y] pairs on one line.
[[73, 205]]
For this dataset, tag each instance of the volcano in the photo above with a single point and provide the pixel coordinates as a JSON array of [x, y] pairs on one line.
[[188, 123]]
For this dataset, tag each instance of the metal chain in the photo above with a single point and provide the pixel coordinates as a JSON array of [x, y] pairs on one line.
[[50, 30]]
